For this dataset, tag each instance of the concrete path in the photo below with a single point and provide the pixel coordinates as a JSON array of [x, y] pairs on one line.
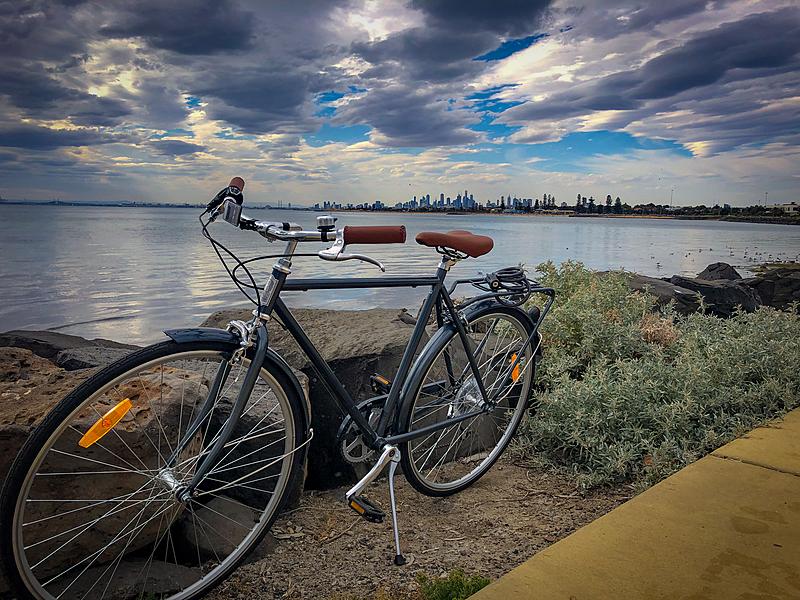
[[726, 527]]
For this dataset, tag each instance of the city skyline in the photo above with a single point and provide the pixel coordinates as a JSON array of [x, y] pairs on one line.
[[686, 102]]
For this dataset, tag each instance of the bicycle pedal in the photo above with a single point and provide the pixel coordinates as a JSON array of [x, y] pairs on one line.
[[379, 384], [367, 509]]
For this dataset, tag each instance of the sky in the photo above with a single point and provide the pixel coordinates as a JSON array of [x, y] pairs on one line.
[[360, 100]]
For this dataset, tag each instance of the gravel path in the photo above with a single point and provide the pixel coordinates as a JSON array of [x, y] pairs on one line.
[[324, 550]]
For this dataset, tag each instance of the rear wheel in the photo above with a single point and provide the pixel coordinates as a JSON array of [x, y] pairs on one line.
[[89, 517], [450, 459]]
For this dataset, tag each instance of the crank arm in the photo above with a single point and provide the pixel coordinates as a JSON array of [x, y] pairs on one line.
[[390, 454]]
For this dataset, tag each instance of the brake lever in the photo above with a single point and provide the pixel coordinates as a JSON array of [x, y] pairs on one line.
[[336, 252]]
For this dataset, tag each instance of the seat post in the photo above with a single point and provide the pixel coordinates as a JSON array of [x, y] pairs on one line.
[[444, 266]]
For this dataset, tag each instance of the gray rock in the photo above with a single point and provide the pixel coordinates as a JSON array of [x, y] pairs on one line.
[[721, 297], [686, 301], [157, 399], [48, 344], [719, 270], [208, 533], [163, 579], [777, 287], [87, 357]]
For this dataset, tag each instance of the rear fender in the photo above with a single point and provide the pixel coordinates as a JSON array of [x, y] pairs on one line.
[[435, 344]]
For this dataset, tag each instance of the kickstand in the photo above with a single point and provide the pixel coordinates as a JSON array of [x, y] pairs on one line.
[[399, 559]]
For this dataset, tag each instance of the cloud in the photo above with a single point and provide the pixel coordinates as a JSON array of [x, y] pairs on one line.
[[261, 101], [406, 116], [701, 75], [176, 147], [42, 138], [192, 27], [505, 18]]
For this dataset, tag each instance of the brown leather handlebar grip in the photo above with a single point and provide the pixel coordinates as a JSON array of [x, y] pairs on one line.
[[378, 234], [237, 182]]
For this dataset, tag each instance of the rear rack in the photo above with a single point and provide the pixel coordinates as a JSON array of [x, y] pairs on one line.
[[510, 286]]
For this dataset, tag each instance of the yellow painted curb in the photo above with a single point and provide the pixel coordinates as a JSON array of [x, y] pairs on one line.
[[726, 527]]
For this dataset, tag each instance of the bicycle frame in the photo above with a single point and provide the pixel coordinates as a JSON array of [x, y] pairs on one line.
[[437, 301]]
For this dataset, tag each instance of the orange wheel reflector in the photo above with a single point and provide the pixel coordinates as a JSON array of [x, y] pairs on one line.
[[105, 423], [515, 372]]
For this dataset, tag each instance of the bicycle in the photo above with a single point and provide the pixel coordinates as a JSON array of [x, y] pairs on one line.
[[161, 472]]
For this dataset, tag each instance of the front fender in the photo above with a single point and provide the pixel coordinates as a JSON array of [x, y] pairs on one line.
[[201, 334], [272, 361]]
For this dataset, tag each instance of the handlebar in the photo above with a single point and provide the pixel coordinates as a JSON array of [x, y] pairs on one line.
[[229, 201], [376, 234]]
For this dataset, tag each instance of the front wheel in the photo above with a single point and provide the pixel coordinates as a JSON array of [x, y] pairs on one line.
[[90, 509], [452, 458]]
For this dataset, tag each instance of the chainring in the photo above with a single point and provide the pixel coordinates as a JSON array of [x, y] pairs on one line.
[[349, 439]]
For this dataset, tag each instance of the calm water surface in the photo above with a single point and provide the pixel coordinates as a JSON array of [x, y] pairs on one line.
[[126, 274]]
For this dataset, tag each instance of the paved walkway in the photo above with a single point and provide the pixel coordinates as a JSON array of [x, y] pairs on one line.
[[726, 527]]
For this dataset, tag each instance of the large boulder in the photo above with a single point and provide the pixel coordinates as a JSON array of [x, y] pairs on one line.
[[721, 297], [87, 357], [777, 287], [686, 301], [355, 344], [719, 270]]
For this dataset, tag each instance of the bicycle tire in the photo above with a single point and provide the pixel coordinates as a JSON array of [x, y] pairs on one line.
[[421, 375], [42, 440]]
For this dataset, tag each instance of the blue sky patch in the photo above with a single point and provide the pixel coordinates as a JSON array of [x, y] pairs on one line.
[[493, 129], [228, 134], [484, 100], [510, 47], [192, 101], [330, 134], [329, 96], [571, 153], [173, 133]]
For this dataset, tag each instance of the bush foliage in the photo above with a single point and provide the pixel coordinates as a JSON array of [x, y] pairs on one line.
[[632, 392]]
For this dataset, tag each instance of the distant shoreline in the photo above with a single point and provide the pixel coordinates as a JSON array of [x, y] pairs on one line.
[[557, 213]]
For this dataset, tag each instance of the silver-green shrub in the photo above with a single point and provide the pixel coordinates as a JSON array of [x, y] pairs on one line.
[[631, 392]]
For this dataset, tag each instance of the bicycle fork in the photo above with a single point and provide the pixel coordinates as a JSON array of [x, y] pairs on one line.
[[185, 492], [369, 511]]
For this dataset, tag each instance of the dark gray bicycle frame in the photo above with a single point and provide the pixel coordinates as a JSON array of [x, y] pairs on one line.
[[437, 300]]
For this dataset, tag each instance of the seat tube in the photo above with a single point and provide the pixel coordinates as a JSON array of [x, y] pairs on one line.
[[280, 271]]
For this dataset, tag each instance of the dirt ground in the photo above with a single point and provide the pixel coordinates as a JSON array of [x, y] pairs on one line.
[[325, 550]]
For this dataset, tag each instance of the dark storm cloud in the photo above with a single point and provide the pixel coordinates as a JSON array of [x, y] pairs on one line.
[[755, 47], [184, 26], [38, 95], [407, 116], [426, 54], [32, 137], [760, 41], [505, 17], [176, 147], [261, 101]]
